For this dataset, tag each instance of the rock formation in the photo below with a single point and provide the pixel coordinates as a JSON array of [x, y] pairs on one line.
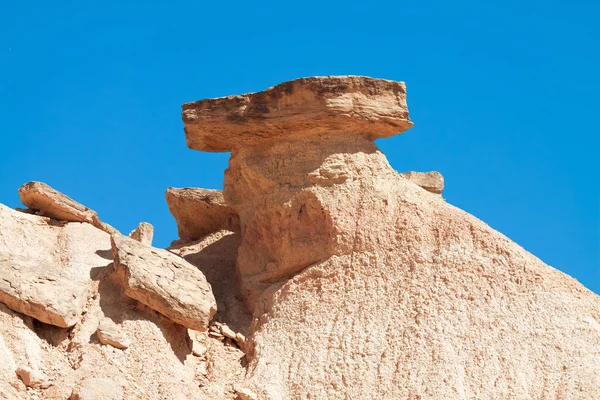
[[49, 202], [362, 284], [319, 272], [199, 212], [164, 282], [40, 290], [143, 233]]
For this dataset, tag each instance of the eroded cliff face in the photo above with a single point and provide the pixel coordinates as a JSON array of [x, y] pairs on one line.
[[333, 276]]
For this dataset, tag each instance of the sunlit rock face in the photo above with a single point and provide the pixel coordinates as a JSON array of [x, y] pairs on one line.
[[364, 285]]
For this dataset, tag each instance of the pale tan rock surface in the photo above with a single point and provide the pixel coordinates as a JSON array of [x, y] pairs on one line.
[[315, 105], [40, 290], [143, 233], [431, 181], [164, 282], [78, 249], [51, 203], [109, 333], [159, 363], [365, 286], [199, 212], [97, 389]]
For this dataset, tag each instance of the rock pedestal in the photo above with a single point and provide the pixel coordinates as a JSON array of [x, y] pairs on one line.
[[364, 285]]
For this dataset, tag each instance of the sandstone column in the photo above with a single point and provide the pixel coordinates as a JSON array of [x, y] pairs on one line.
[[299, 152]]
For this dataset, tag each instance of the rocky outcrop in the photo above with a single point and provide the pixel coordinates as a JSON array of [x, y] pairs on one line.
[[164, 282], [199, 212], [49, 202], [158, 363], [143, 233], [40, 290], [431, 181], [362, 284]]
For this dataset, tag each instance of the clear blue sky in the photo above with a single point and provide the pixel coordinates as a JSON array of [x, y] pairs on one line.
[[504, 96]]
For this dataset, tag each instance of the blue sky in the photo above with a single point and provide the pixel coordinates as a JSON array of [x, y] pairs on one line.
[[504, 96]]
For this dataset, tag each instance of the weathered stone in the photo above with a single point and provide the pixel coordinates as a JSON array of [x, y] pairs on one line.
[[143, 233], [365, 286], [199, 212], [307, 106], [40, 290], [164, 282], [51, 203], [431, 181], [97, 389], [109, 333], [34, 379], [75, 249]]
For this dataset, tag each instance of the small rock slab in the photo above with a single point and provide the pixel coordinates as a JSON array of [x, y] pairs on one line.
[[306, 106], [143, 233], [56, 205], [199, 212], [97, 389], [41, 291], [431, 181], [109, 333], [164, 282]]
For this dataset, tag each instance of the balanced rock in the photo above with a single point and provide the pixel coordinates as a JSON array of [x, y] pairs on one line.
[[199, 212], [40, 290], [52, 203], [143, 233], [431, 181], [109, 333], [164, 282], [362, 284]]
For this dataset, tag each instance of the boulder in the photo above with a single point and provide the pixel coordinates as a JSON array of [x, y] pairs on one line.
[[362, 284], [97, 389], [164, 282], [431, 181], [109, 333], [56, 205], [40, 290], [143, 233], [199, 212]]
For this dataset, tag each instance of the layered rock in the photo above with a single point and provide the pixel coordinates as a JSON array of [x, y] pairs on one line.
[[362, 284], [49, 202], [431, 181], [40, 290], [164, 282], [199, 212]]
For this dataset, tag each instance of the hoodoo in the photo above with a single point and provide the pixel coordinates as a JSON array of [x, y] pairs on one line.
[[364, 285], [319, 272]]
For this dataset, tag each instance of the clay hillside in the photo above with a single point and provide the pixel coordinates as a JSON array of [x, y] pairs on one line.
[[319, 272]]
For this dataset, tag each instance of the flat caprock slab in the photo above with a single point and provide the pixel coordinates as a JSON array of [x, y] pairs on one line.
[[306, 106]]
